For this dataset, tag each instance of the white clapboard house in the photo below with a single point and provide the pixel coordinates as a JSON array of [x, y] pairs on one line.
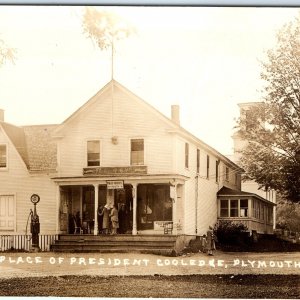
[[116, 149]]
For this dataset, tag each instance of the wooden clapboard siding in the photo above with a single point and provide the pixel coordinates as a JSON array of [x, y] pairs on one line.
[[18, 182], [131, 119]]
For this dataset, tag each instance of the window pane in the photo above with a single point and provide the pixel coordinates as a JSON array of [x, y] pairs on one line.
[[224, 208], [186, 155], [207, 166], [2, 156], [227, 173], [224, 203], [234, 208], [137, 152], [137, 145], [198, 160], [93, 153]]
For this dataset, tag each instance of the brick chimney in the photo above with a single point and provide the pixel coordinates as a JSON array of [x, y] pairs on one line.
[[1, 115], [175, 114]]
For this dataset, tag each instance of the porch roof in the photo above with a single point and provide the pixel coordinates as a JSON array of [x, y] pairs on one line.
[[155, 178], [227, 192]]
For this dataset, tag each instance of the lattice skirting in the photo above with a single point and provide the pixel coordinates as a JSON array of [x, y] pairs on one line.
[[23, 242]]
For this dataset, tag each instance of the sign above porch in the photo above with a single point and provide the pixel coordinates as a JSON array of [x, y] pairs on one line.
[[115, 184], [131, 170]]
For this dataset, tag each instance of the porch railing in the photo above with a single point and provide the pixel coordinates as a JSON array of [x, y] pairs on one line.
[[22, 242]]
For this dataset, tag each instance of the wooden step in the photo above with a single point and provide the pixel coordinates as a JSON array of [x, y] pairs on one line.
[[157, 244], [84, 249], [118, 237]]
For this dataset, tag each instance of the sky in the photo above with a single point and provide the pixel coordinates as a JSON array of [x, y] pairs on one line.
[[204, 59]]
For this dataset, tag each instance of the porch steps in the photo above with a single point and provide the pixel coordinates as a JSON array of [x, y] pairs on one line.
[[156, 244]]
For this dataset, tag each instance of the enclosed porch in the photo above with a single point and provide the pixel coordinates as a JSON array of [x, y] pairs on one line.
[[250, 209]]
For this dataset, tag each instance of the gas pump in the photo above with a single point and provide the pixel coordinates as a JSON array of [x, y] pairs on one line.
[[35, 223]]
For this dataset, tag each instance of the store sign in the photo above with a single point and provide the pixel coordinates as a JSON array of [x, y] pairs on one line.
[[115, 184], [131, 170]]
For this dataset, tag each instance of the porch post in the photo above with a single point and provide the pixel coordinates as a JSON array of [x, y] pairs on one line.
[[174, 211], [134, 197], [96, 187], [57, 196]]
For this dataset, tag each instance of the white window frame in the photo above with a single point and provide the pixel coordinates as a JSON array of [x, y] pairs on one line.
[[14, 229], [186, 155], [238, 208], [6, 167], [208, 163], [144, 158], [198, 161], [86, 151], [227, 171]]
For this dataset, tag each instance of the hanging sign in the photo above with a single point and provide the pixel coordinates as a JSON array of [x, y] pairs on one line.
[[115, 184]]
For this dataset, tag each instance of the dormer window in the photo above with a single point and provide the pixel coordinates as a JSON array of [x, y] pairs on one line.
[[93, 153], [3, 156]]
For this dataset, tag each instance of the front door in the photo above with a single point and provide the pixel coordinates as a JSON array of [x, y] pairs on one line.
[[124, 203]]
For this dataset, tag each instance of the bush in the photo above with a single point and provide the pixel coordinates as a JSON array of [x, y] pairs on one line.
[[230, 233]]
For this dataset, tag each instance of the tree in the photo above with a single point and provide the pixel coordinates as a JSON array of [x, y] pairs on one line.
[[6, 54], [105, 29], [272, 129], [288, 216]]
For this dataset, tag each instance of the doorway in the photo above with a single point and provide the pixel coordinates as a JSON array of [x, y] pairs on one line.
[[124, 203]]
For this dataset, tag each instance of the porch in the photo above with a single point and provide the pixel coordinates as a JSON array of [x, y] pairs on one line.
[[255, 212], [146, 205]]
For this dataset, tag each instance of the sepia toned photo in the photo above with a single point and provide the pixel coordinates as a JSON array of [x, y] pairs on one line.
[[150, 152]]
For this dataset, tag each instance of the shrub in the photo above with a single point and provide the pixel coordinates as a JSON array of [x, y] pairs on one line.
[[229, 232]]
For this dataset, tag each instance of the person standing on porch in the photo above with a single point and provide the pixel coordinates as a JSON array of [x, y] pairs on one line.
[[100, 219], [210, 241], [114, 219], [105, 223]]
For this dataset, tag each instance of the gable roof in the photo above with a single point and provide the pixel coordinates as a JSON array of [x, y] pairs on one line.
[[34, 145], [225, 191], [176, 128], [42, 149], [17, 137]]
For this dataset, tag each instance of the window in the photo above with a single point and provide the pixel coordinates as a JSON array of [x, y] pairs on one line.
[[207, 166], [262, 211], [270, 215], [198, 161], [244, 208], [186, 153], [234, 208], [7, 212], [217, 171], [224, 209], [226, 173], [137, 152], [255, 209], [235, 178], [93, 153], [3, 156]]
